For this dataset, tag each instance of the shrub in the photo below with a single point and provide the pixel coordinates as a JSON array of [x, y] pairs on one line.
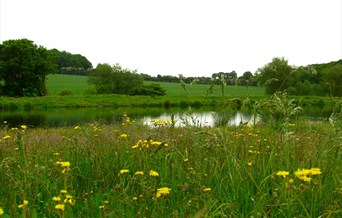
[[152, 90], [65, 92]]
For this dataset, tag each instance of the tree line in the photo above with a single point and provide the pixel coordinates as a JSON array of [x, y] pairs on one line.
[[24, 66]]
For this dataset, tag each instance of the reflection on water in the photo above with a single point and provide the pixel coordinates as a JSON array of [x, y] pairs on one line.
[[206, 118], [72, 117]]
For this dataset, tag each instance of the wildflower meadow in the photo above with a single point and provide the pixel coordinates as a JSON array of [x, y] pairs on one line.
[[275, 169]]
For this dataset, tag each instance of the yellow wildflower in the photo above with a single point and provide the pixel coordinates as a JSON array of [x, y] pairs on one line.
[[165, 191], [63, 163], [315, 171], [101, 206], [123, 171], [77, 127], [60, 207], [6, 137], [69, 201], [139, 173], [291, 181], [302, 172], [123, 136], [1, 211], [134, 198], [63, 191], [250, 163], [206, 190], [283, 173], [154, 173], [56, 199], [25, 203], [23, 127]]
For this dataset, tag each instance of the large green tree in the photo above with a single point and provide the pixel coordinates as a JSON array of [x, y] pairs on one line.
[[23, 67], [70, 63], [276, 75], [114, 79]]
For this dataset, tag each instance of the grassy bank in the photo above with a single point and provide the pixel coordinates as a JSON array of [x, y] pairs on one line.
[[131, 170], [195, 95]]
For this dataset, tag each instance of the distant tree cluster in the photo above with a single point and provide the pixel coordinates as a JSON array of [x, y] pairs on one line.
[[115, 79], [247, 79], [70, 63], [316, 79]]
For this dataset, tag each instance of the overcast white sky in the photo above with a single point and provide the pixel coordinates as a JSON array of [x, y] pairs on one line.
[[189, 37]]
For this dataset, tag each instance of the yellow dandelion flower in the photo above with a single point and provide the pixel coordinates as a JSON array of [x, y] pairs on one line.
[[1, 211], [101, 206], [63, 163], [250, 163], [6, 137], [123, 171], [123, 136], [134, 199], [60, 207], [24, 204], [63, 191], [77, 127], [302, 172], [305, 178], [139, 173], [153, 173], [56, 199], [71, 202], [315, 171], [165, 191], [23, 127], [68, 196], [206, 190], [283, 173], [291, 181]]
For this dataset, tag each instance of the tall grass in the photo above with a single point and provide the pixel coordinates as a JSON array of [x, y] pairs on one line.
[[132, 170]]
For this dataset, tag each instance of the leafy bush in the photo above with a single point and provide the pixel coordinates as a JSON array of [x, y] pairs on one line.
[[152, 90], [66, 92]]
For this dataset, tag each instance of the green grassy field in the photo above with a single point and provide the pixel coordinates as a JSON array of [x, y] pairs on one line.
[[78, 85], [131, 170], [57, 82], [176, 96]]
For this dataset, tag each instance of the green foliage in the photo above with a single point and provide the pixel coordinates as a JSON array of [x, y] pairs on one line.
[[23, 67], [275, 76], [316, 79], [114, 79], [65, 92], [70, 63], [151, 89], [279, 108]]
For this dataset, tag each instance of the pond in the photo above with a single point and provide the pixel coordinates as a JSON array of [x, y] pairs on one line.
[[188, 116]]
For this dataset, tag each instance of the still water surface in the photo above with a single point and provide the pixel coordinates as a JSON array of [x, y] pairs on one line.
[[72, 117], [198, 117]]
